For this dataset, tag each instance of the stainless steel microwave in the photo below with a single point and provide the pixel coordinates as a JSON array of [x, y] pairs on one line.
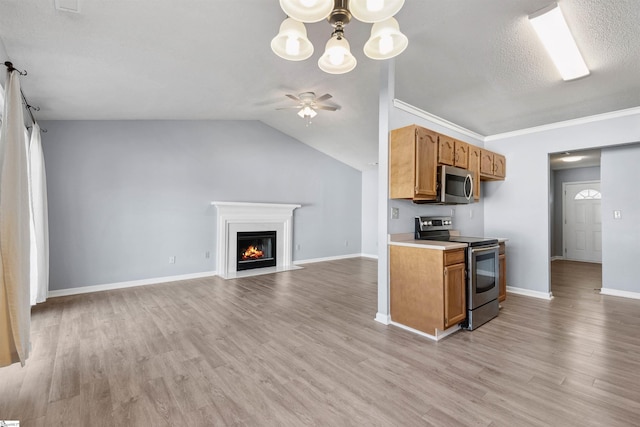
[[455, 185]]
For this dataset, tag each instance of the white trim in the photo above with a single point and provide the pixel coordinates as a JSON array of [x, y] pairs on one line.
[[372, 256], [401, 105], [618, 293], [437, 337], [385, 319], [557, 258], [567, 123], [128, 284], [530, 293], [329, 258]]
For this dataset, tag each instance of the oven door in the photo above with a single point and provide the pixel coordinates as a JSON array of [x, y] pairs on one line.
[[483, 276]]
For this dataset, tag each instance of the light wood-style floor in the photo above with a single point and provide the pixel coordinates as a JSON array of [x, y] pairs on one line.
[[302, 348]]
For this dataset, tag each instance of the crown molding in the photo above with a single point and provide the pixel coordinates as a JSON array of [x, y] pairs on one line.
[[401, 105], [567, 123]]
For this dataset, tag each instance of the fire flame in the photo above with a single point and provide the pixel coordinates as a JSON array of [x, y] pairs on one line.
[[252, 253]]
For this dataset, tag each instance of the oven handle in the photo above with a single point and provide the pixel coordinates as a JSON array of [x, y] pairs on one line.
[[485, 249], [468, 178]]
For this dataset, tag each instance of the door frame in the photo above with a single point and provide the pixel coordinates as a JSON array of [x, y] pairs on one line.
[[564, 212]]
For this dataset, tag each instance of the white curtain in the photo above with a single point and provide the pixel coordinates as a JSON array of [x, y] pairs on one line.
[[15, 310], [39, 219]]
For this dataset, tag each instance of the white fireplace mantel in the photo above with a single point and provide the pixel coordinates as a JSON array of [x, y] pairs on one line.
[[234, 217]]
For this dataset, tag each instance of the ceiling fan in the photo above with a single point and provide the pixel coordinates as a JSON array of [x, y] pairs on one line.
[[307, 104]]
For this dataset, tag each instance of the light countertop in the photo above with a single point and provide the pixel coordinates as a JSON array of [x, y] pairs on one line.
[[407, 239]]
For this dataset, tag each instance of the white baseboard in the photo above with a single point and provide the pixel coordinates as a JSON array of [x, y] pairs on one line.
[[557, 258], [129, 284], [437, 337], [530, 293], [330, 258], [383, 318], [369, 256], [617, 293]]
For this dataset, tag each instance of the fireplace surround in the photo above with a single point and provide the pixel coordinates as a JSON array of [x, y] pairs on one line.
[[239, 217]]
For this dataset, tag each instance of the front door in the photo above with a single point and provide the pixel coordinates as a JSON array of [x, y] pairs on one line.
[[582, 221]]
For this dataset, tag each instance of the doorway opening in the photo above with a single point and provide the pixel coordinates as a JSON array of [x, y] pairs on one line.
[[575, 223]]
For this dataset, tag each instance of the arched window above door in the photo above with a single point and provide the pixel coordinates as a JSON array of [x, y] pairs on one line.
[[588, 194]]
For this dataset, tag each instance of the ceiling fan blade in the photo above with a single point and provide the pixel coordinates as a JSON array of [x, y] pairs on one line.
[[324, 97], [295, 98], [326, 107], [293, 107]]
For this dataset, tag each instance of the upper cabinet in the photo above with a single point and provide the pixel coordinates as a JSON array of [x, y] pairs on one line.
[[453, 152], [415, 153], [493, 166]]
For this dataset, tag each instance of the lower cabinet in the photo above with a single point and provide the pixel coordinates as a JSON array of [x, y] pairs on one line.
[[427, 288]]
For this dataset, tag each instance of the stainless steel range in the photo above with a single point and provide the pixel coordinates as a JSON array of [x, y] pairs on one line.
[[482, 270]]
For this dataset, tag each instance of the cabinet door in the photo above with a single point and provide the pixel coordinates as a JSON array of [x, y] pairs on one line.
[[461, 157], [474, 166], [426, 165], [486, 162], [446, 150], [499, 165], [455, 308], [502, 260]]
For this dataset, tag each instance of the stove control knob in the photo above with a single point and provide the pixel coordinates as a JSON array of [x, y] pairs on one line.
[[427, 223]]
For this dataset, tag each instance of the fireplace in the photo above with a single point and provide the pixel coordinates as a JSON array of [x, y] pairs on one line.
[[256, 249], [240, 217]]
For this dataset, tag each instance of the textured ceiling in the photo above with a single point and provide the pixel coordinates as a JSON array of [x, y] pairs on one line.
[[474, 63]]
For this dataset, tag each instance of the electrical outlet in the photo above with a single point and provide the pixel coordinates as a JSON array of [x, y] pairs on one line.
[[207, 254], [346, 243], [298, 247], [617, 214], [395, 213], [470, 213], [172, 260]]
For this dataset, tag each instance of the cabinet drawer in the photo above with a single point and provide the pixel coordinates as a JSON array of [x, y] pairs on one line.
[[454, 257]]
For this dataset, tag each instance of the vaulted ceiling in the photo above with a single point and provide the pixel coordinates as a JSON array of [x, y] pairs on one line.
[[475, 63]]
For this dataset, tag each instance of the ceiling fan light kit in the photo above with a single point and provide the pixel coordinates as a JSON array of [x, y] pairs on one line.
[[386, 39]]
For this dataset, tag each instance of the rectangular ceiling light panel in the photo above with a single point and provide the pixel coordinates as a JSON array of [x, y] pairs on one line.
[[553, 31]]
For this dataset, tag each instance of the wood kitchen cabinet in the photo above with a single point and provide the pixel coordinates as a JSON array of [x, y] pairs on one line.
[[492, 165], [416, 152], [453, 152], [446, 150], [461, 158], [474, 166], [502, 263], [413, 161], [427, 288]]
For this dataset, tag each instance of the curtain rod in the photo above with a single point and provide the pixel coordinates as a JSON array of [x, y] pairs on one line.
[[28, 106]]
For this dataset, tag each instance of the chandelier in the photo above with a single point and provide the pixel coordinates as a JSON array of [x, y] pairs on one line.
[[386, 40]]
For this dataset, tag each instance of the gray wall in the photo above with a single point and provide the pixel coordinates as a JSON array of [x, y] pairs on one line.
[[518, 208], [620, 237], [124, 196], [557, 179]]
